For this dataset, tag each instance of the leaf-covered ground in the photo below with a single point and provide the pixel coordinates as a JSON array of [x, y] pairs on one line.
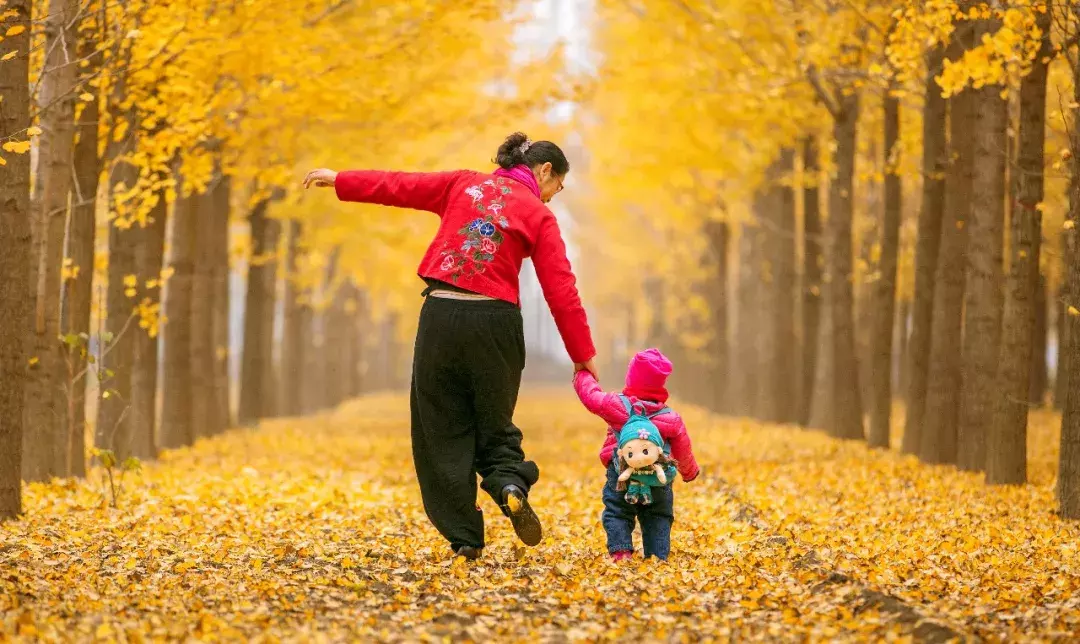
[[311, 530]]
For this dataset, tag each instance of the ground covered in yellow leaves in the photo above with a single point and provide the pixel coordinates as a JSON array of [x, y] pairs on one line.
[[312, 529]]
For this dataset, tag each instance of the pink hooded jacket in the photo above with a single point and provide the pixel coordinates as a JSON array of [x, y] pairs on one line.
[[610, 408]]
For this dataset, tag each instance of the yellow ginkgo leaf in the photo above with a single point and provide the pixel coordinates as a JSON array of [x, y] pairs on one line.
[[15, 30], [33, 130], [17, 147]]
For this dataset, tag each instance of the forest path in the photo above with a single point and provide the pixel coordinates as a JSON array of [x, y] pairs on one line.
[[311, 529]]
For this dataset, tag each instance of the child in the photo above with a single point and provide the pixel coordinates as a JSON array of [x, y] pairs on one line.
[[645, 381]]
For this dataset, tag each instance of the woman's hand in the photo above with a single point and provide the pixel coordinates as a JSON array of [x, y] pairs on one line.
[[321, 178], [586, 366]]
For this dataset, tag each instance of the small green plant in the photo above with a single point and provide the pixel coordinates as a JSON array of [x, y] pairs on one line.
[[110, 493]]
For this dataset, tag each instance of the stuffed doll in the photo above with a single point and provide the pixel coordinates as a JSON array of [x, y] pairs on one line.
[[643, 461]]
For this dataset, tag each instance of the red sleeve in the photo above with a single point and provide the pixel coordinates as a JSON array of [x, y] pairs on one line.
[[560, 290], [417, 190], [673, 429]]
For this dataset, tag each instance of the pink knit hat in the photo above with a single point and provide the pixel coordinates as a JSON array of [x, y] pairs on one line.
[[647, 376]]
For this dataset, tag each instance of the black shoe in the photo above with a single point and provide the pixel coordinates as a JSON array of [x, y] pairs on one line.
[[526, 524], [472, 553]]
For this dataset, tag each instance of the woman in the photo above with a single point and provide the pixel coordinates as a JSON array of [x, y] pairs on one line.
[[470, 346]]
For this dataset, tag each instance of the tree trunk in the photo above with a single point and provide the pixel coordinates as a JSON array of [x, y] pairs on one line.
[[1061, 378], [45, 444], [258, 339], [718, 233], [811, 287], [113, 431], [1068, 483], [312, 374], [1039, 378], [77, 292], [292, 332], [984, 297], [786, 341], [270, 379], [902, 337], [938, 436], [885, 309], [1006, 449], [821, 409], [763, 297], [202, 315], [847, 406], [15, 261], [927, 248], [149, 255], [178, 402], [221, 416], [744, 388], [335, 359]]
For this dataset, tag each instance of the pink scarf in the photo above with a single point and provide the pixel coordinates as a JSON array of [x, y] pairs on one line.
[[522, 174]]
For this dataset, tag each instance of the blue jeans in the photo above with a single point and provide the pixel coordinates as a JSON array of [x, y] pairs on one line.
[[655, 518]]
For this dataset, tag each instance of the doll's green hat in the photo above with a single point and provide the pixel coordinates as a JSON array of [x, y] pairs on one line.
[[640, 428]]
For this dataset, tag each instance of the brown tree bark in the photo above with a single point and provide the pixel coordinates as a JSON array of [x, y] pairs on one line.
[[221, 412], [1039, 376], [270, 385], [984, 299], [902, 337], [885, 308], [113, 431], [311, 380], [45, 437], [718, 234], [16, 259], [811, 281], [292, 331], [202, 315], [763, 297], [744, 388], [178, 400], [927, 250], [258, 338], [77, 292], [149, 256], [938, 436], [785, 338], [1006, 448], [1068, 482], [847, 406]]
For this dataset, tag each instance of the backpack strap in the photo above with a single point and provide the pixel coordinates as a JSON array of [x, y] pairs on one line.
[[627, 405], [658, 412]]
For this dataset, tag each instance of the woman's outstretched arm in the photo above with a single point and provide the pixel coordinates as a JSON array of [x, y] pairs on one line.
[[428, 191]]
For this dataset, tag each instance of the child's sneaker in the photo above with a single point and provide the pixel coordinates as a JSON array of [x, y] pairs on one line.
[[621, 555]]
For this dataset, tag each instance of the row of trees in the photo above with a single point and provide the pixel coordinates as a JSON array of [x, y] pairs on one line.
[[818, 163], [148, 152]]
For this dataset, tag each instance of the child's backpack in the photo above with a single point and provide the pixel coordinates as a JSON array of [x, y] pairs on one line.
[[640, 420]]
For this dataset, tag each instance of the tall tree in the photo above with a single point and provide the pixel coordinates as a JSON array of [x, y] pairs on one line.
[[718, 233], [765, 296], [785, 338], [178, 400], [77, 293], [938, 435], [1068, 481], [258, 339], [221, 414], [927, 248], [149, 256], [202, 313], [847, 406], [45, 445], [885, 307], [113, 430], [811, 277], [1006, 449], [745, 387], [1039, 376], [16, 258], [983, 292], [292, 330]]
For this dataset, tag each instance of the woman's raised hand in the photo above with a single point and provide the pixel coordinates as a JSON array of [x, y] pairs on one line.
[[586, 366], [321, 178]]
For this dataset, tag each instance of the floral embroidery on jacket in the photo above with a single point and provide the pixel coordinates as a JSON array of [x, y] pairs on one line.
[[482, 236]]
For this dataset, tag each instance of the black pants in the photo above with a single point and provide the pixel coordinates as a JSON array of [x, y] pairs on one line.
[[467, 368]]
